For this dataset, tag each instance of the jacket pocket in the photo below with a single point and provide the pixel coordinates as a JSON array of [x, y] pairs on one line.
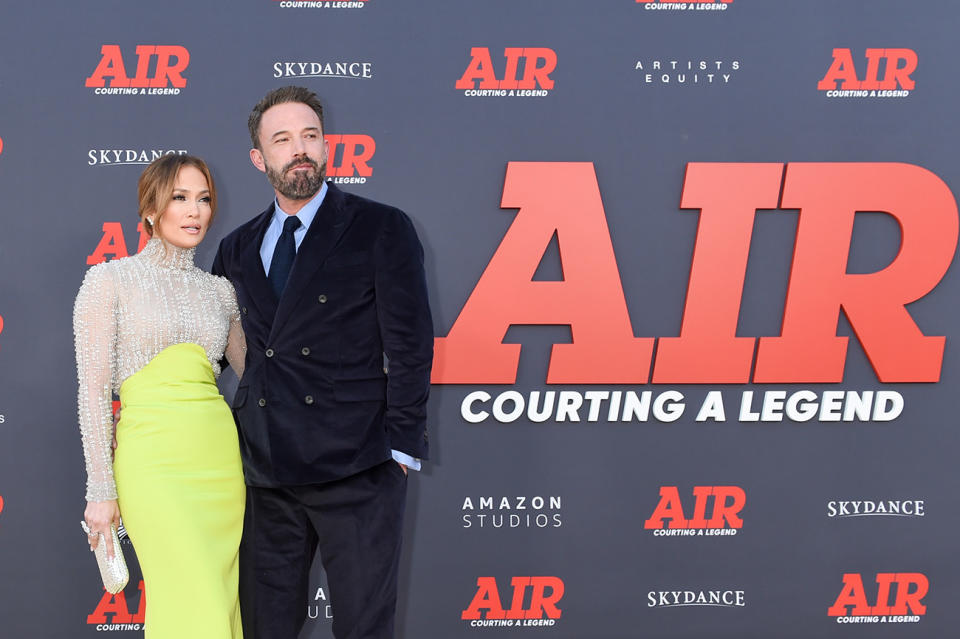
[[360, 390]]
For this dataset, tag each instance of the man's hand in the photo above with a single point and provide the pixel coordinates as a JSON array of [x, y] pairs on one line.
[[403, 467]]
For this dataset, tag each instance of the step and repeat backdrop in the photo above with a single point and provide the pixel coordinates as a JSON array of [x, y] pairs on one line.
[[692, 277]]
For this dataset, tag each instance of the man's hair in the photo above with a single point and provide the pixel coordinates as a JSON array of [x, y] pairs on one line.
[[280, 96]]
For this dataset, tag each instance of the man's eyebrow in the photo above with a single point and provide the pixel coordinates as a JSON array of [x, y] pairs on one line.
[[284, 131]]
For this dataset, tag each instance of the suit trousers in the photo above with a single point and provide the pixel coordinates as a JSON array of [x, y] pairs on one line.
[[356, 523]]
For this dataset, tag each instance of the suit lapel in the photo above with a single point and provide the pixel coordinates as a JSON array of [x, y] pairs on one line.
[[252, 268], [328, 225]]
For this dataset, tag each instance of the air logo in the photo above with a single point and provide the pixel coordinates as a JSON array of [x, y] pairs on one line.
[[537, 63], [531, 599], [727, 197], [156, 67], [897, 64], [899, 597], [714, 508], [717, 5], [113, 613], [113, 245], [349, 156]]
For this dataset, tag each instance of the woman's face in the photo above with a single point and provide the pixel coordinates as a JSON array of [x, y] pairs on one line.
[[187, 217]]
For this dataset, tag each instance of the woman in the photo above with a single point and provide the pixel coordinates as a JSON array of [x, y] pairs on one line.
[[153, 328]]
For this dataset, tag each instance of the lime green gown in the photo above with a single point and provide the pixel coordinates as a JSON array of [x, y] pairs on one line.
[[153, 327]]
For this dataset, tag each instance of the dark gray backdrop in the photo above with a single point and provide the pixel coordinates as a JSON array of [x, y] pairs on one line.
[[442, 156]]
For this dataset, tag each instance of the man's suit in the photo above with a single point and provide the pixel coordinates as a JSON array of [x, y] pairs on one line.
[[317, 414]]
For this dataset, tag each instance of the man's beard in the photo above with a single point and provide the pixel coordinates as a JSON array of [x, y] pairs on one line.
[[301, 185]]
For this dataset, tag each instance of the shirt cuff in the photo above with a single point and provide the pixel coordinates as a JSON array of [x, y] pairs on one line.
[[410, 462]]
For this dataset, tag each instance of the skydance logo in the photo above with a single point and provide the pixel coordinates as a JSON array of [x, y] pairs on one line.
[[126, 157], [844, 508], [354, 70], [709, 598]]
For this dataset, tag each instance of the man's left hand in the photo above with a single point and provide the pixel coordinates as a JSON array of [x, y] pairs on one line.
[[403, 467]]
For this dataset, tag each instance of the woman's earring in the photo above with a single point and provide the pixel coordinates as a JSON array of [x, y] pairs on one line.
[[150, 221]]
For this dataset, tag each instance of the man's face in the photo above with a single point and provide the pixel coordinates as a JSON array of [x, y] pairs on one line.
[[292, 151]]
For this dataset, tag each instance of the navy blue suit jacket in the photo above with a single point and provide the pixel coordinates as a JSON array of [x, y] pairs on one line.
[[315, 403]]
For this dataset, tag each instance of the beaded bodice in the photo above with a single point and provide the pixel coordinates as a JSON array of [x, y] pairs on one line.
[[127, 311]]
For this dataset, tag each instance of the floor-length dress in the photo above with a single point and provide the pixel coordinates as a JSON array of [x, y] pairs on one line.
[[153, 328]]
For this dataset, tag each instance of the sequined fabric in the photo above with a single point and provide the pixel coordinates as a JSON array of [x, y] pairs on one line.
[[113, 572], [127, 311]]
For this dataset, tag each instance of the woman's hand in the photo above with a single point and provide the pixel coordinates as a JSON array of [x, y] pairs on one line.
[[99, 515]]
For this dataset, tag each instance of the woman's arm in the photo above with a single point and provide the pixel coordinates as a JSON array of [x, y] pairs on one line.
[[95, 334], [236, 352]]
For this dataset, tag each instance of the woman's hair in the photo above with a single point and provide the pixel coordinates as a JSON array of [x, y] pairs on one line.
[[155, 188]]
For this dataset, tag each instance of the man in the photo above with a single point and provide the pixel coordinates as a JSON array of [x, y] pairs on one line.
[[328, 283]]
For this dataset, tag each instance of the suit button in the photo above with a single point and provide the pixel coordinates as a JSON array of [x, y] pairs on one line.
[[308, 399], [269, 352], [262, 402], [244, 310], [305, 351], [323, 299]]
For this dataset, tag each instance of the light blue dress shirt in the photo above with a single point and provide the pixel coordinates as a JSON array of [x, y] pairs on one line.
[[306, 215]]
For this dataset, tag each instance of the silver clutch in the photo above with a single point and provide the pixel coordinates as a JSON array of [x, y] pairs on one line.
[[113, 571]]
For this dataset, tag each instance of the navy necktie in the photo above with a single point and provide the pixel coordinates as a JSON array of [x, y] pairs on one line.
[[283, 255]]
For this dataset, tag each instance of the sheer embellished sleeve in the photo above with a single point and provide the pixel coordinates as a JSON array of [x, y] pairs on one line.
[[236, 351], [95, 334]]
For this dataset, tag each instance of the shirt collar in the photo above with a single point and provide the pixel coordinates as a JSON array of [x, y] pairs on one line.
[[166, 255], [306, 214]]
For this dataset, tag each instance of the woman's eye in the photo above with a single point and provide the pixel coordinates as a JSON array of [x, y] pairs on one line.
[[180, 197], [206, 199]]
